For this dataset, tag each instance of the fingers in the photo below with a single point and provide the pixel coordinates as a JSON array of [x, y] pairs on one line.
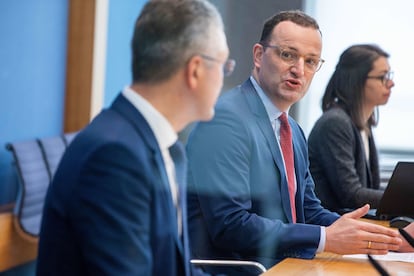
[[377, 229], [380, 237], [352, 236], [375, 252], [392, 243], [377, 248], [406, 247], [358, 213], [394, 246]]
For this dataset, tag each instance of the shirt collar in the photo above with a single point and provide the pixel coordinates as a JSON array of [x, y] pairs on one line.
[[163, 130], [272, 111]]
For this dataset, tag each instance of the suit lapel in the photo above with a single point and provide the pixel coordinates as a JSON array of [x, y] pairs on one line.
[[257, 108], [167, 196], [132, 115], [185, 242], [300, 216], [373, 160], [122, 106]]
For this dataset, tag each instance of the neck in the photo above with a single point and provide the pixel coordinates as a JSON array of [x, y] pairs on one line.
[[280, 103], [367, 112], [167, 100]]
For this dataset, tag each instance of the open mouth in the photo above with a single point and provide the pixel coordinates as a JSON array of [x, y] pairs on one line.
[[293, 83]]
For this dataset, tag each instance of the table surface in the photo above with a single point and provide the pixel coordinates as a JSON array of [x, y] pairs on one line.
[[333, 264]]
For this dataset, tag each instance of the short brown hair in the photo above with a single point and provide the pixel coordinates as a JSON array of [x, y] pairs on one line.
[[296, 16]]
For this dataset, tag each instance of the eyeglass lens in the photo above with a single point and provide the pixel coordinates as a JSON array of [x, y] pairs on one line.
[[312, 64], [387, 77], [228, 67]]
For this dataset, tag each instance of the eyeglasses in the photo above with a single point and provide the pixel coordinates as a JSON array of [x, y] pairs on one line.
[[228, 66], [383, 78], [291, 57]]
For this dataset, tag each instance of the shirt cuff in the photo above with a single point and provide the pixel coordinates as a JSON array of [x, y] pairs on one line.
[[322, 240]]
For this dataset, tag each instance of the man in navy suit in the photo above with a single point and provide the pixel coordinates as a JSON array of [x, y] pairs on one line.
[[239, 200], [115, 206]]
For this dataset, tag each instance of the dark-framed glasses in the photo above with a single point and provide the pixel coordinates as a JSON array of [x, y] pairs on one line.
[[228, 65], [383, 78], [291, 57]]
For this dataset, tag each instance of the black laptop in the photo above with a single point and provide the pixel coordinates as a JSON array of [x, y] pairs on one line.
[[398, 198]]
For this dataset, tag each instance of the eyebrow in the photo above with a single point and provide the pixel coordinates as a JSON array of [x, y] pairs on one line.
[[383, 71], [296, 50]]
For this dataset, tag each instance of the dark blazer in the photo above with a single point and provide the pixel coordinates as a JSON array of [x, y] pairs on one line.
[[343, 176], [109, 210], [238, 194]]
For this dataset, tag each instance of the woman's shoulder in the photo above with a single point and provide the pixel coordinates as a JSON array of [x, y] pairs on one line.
[[334, 120], [335, 117]]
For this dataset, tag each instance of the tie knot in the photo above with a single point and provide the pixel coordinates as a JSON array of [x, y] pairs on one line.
[[177, 150], [284, 122], [283, 117], [177, 153]]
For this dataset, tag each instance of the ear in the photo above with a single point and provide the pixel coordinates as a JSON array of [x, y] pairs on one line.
[[258, 51], [194, 71]]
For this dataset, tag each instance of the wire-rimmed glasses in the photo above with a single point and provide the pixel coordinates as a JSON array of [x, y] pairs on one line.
[[228, 66], [291, 57]]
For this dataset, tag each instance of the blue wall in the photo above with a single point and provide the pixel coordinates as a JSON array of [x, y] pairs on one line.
[[122, 16], [32, 81], [32, 76], [33, 43]]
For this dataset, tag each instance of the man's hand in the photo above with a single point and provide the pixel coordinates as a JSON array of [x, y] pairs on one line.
[[348, 235], [406, 247]]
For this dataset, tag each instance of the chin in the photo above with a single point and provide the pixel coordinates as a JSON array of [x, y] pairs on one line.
[[385, 101], [207, 116]]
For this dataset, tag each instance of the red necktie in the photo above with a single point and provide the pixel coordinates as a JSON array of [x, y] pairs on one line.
[[287, 149]]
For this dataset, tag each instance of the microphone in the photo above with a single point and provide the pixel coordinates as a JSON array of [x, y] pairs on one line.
[[407, 236], [377, 266]]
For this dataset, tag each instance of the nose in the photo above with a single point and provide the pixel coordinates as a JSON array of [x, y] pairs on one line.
[[298, 67]]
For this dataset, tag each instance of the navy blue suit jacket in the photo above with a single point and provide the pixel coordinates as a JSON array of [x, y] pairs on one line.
[[109, 209], [238, 194]]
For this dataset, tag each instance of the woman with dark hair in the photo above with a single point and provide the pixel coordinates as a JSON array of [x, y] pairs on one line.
[[342, 152]]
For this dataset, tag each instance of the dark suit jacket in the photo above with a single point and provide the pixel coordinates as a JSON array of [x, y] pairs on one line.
[[238, 194], [109, 210], [342, 175]]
